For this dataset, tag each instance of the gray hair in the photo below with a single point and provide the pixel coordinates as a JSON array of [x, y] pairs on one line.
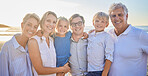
[[117, 6]]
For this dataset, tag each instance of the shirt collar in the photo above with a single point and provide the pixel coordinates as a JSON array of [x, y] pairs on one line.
[[99, 32], [74, 40], [112, 31], [17, 45], [127, 30]]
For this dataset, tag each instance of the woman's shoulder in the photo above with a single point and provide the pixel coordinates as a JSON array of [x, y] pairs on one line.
[[32, 40]]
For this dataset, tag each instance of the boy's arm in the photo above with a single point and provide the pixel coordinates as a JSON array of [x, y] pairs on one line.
[[106, 67], [109, 49]]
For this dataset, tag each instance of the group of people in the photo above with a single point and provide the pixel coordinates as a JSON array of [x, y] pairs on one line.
[[120, 52]]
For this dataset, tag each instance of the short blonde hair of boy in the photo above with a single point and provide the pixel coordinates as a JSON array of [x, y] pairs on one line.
[[45, 16], [115, 6], [62, 19], [31, 15], [101, 15]]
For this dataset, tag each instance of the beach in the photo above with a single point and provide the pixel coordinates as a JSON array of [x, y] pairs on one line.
[[5, 35]]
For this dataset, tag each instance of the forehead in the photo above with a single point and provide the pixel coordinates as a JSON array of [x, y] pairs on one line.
[[116, 11], [63, 22], [51, 17], [77, 19], [32, 20], [100, 18]]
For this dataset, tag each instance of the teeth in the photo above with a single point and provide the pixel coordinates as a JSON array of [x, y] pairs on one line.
[[49, 28], [117, 22], [77, 29], [30, 32]]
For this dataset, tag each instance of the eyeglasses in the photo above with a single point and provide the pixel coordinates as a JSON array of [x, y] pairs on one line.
[[76, 24], [119, 15]]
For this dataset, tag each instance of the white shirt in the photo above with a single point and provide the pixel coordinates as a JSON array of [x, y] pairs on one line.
[[130, 55], [100, 47], [14, 59], [78, 58], [48, 54]]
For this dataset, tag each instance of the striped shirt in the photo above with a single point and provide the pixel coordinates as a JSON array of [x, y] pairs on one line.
[[14, 59], [78, 59]]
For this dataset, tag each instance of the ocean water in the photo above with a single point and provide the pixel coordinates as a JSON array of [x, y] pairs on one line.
[[87, 28], [5, 36]]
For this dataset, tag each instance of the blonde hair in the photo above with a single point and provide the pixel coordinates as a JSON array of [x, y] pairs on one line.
[[74, 16], [45, 16], [62, 19], [31, 15], [115, 6], [101, 15]]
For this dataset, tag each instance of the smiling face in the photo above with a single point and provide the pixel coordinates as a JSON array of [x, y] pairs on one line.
[[77, 26], [49, 24], [62, 27], [119, 19], [30, 27], [100, 24]]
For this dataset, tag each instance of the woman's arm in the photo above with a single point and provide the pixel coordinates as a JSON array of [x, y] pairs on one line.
[[35, 57]]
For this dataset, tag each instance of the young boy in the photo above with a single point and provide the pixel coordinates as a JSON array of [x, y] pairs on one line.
[[100, 47]]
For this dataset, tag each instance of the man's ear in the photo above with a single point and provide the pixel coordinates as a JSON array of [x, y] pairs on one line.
[[126, 16]]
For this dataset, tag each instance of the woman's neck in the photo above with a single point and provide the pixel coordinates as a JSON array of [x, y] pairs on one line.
[[22, 40], [46, 34]]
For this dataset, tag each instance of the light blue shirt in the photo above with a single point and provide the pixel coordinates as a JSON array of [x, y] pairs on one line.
[[14, 60], [78, 58], [62, 47], [100, 47], [130, 55]]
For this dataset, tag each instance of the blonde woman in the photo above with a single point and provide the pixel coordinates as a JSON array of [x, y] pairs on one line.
[[42, 51], [14, 58]]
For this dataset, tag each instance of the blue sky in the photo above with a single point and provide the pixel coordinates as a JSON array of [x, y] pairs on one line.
[[12, 11]]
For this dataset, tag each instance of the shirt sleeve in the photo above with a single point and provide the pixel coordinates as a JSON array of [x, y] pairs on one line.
[[109, 48], [144, 41], [4, 62], [68, 34]]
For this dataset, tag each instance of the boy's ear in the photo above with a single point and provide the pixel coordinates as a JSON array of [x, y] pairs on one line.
[[107, 24]]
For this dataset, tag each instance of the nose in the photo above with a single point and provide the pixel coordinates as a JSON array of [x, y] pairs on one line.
[[116, 17], [32, 28]]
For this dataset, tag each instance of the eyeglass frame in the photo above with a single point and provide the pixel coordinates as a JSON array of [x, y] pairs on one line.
[[79, 23]]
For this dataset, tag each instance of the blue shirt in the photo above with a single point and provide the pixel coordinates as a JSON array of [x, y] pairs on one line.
[[62, 47]]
